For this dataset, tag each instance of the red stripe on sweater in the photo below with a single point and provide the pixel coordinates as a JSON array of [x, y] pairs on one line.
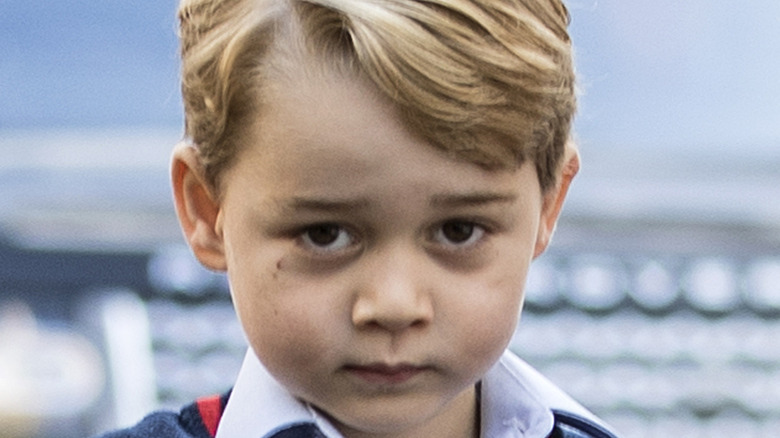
[[210, 409]]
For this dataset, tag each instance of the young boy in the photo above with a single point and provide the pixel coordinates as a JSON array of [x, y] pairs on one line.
[[375, 177]]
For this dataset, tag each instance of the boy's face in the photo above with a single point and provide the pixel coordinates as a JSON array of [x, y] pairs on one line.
[[375, 277]]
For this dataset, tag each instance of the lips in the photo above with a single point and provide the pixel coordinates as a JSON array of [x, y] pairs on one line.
[[379, 373]]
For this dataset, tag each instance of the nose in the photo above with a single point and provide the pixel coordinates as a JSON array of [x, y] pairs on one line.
[[393, 295]]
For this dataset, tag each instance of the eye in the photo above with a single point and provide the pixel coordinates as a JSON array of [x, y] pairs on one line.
[[460, 234], [326, 237]]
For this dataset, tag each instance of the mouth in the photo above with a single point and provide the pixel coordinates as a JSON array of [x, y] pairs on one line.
[[384, 374]]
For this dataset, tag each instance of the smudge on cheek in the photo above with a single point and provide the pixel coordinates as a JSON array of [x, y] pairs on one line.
[[288, 266], [280, 264]]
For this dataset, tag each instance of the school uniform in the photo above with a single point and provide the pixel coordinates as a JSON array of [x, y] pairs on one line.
[[516, 402]]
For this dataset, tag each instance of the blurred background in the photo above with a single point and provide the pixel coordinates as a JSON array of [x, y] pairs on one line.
[[658, 305]]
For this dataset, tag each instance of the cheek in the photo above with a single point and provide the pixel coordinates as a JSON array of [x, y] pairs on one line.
[[272, 328], [492, 322], [488, 319], [278, 311]]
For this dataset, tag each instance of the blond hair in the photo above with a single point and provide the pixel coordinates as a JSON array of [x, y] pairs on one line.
[[488, 81]]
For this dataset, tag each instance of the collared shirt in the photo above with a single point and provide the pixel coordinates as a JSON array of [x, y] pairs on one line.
[[516, 402]]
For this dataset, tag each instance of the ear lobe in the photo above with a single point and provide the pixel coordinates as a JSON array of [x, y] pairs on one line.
[[197, 209], [553, 200]]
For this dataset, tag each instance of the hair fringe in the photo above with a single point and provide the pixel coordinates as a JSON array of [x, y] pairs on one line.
[[488, 81]]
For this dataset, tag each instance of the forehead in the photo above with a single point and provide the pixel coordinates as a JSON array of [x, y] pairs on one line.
[[328, 130]]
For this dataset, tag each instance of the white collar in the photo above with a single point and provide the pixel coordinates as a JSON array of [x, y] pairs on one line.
[[260, 404], [511, 406], [514, 403]]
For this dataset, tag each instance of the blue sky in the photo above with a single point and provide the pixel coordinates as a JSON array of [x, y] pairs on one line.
[[88, 63], [666, 72]]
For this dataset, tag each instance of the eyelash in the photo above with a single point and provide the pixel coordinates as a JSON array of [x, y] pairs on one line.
[[306, 240], [477, 234]]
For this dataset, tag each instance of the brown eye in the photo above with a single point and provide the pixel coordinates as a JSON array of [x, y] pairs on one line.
[[323, 234], [326, 237], [457, 232]]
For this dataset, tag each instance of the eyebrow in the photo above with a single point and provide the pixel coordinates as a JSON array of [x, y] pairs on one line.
[[453, 200], [472, 199], [323, 205]]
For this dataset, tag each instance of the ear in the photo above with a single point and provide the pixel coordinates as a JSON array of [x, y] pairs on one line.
[[197, 208], [553, 198]]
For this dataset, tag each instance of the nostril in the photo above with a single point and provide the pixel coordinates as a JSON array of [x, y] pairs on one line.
[[420, 323], [389, 319]]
